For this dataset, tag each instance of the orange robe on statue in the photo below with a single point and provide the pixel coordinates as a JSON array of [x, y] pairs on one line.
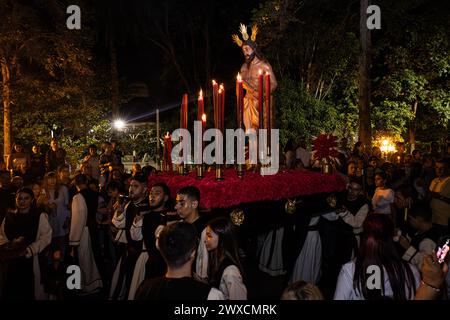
[[250, 80]]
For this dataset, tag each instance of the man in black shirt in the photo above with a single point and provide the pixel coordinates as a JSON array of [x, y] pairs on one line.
[[129, 249], [54, 157], [187, 206], [150, 263], [177, 243]]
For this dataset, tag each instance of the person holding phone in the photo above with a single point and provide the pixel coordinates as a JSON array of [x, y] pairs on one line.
[[433, 276], [424, 241], [130, 249], [150, 263]]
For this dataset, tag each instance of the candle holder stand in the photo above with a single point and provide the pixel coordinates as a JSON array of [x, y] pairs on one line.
[[219, 172]]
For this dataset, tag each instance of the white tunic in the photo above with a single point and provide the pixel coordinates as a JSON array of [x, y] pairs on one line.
[[139, 268], [309, 261], [118, 220], [271, 259], [202, 258], [231, 284], [79, 236], [43, 239]]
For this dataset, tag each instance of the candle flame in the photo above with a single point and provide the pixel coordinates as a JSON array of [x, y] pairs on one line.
[[260, 72], [204, 117], [221, 87], [239, 78], [167, 134], [200, 95], [214, 82], [220, 90], [267, 73]]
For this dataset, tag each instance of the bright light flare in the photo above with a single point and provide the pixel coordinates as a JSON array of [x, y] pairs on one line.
[[119, 124]]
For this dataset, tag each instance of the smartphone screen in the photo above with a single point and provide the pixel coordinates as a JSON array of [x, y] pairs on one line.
[[443, 251]]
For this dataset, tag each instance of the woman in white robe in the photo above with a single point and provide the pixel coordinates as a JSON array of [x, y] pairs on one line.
[[80, 239], [14, 230]]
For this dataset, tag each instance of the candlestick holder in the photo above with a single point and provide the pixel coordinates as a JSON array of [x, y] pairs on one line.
[[200, 171], [181, 169], [240, 170], [219, 172]]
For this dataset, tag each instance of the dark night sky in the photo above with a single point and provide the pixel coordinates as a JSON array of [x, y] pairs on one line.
[[141, 61]]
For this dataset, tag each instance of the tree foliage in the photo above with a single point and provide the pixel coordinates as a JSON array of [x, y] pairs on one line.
[[55, 82], [313, 45]]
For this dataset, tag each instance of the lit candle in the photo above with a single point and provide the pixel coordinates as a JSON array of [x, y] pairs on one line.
[[200, 114], [219, 109], [203, 130], [201, 106], [260, 99], [167, 156], [204, 121], [239, 101]]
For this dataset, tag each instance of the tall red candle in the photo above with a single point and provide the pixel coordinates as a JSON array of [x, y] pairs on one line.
[[203, 130], [268, 109], [267, 98], [215, 100], [184, 108], [200, 114], [260, 99], [219, 109], [201, 106], [239, 101], [222, 109]]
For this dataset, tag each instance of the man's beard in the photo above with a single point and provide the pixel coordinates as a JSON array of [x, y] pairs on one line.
[[249, 59], [157, 205]]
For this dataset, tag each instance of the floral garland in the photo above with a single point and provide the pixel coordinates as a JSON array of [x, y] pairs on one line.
[[253, 187]]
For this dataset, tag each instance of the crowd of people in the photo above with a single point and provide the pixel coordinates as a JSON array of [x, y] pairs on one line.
[[132, 241], [395, 214]]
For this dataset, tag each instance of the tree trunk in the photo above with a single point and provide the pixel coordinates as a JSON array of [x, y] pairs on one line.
[[6, 92], [283, 15], [364, 78], [412, 127], [114, 78]]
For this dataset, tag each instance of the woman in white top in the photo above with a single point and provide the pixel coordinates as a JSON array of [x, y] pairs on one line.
[[378, 271], [24, 234], [384, 196], [224, 267]]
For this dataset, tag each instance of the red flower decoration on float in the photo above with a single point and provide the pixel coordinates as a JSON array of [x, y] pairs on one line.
[[253, 187], [326, 148]]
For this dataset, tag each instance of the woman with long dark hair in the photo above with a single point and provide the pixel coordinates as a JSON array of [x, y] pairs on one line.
[[224, 267], [24, 234], [378, 272], [383, 198], [55, 197]]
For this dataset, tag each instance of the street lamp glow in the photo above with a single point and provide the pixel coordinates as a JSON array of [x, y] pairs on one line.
[[119, 124]]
